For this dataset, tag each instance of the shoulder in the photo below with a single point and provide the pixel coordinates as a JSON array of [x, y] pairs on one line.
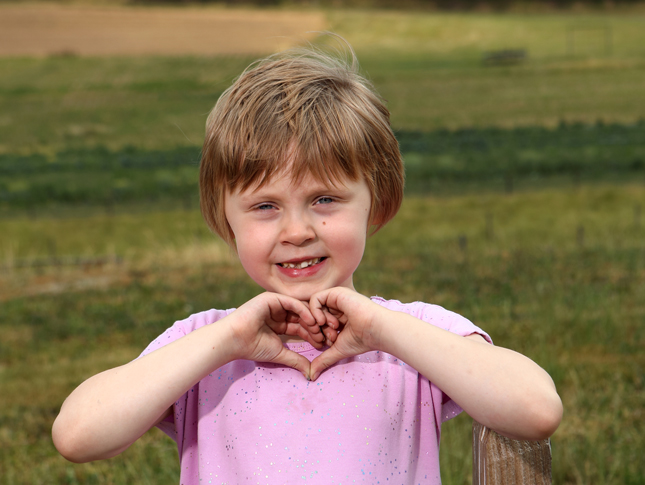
[[424, 311], [183, 327], [201, 319], [435, 315]]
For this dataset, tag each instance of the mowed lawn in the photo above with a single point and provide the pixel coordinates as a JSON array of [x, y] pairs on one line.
[[556, 271]]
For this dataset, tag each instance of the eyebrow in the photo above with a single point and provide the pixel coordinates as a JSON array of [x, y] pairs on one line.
[[269, 193]]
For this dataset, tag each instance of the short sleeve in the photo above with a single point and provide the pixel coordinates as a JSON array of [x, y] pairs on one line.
[[184, 327], [447, 320], [177, 331], [454, 323], [451, 321]]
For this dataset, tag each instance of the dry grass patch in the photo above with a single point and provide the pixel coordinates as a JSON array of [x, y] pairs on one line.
[[49, 29], [50, 276]]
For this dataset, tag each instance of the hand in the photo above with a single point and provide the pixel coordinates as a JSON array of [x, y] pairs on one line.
[[351, 316], [258, 324]]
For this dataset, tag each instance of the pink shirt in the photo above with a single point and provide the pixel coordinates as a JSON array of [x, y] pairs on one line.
[[369, 419]]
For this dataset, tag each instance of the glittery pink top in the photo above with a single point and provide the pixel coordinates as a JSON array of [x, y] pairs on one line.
[[369, 419]]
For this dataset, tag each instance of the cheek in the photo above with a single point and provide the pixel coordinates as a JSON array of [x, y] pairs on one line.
[[254, 265], [350, 242], [250, 251]]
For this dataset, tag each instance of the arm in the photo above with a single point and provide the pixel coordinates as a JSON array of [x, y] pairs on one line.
[[110, 411], [498, 387]]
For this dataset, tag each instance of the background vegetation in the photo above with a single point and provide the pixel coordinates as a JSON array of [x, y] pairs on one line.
[[458, 5], [524, 213]]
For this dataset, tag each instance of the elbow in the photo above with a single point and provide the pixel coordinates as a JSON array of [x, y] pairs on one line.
[[67, 444], [549, 418], [78, 444], [71, 442], [538, 417], [70, 454], [544, 417]]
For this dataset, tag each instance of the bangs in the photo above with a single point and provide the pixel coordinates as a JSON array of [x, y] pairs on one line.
[[255, 173], [310, 157], [306, 128]]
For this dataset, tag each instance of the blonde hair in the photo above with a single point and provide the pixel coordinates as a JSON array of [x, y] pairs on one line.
[[308, 110]]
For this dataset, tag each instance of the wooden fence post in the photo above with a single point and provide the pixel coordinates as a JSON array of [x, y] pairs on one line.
[[498, 460]]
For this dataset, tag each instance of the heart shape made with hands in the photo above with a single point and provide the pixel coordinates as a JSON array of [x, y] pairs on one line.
[[342, 335], [339, 317]]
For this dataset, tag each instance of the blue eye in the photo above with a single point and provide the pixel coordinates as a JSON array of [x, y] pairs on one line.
[[325, 200], [265, 207]]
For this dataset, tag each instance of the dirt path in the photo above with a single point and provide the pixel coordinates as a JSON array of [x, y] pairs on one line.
[[46, 29]]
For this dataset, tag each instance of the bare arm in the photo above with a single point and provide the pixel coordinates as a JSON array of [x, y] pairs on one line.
[[498, 387], [111, 410]]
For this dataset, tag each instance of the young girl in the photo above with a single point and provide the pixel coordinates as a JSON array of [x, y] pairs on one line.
[[311, 381]]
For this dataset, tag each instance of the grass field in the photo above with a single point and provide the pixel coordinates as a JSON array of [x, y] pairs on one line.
[[524, 213], [48, 104], [574, 305]]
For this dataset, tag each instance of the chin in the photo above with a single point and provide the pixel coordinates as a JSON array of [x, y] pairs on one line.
[[300, 293]]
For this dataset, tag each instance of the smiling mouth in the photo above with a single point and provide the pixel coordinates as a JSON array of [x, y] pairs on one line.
[[302, 264]]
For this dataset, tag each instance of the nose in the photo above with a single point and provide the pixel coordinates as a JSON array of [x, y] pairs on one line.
[[297, 229]]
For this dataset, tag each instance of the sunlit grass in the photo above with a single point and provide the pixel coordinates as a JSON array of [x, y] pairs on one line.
[[428, 66], [514, 264], [465, 36], [148, 102], [558, 274]]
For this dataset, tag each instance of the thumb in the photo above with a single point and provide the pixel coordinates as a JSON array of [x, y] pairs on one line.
[[324, 361], [294, 360]]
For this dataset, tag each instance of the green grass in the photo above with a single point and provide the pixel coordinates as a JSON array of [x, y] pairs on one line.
[[573, 305], [428, 66], [439, 162], [463, 37], [48, 105], [51, 104], [554, 269]]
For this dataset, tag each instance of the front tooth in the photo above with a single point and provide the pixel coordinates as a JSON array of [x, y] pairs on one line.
[[302, 265]]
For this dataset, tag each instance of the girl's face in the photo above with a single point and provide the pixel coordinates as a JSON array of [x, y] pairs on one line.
[[298, 239]]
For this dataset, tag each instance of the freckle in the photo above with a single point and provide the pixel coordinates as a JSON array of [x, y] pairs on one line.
[[324, 223]]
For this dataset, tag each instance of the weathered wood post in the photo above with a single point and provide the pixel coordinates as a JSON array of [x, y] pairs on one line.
[[498, 460]]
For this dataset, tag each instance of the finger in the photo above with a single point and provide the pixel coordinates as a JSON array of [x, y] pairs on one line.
[[335, 312], [330, 335], [292, 317], [312, 326], [303, 327], [285, 308], [324, 361], [294, 360], [331, 320], [317, 307], [313, 335]]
